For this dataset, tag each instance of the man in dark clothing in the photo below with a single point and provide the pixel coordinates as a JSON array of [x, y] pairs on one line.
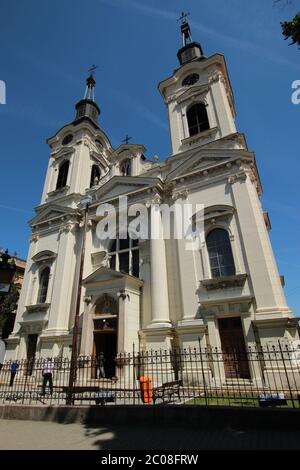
[[13, 370], [48, 376]]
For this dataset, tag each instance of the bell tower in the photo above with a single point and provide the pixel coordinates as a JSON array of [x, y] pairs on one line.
[[198, 96], [79, 152]]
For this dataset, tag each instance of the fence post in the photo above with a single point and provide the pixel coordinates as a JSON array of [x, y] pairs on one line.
[[25, 382], [203, 375], [286, 373]]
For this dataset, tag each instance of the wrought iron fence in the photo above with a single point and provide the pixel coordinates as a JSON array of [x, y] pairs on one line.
[[256, 376]]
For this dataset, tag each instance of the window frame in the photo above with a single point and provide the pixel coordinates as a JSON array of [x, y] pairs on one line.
[[92, 179], [220, 267], [65, 175], [41, 289], [122, 162], [199, 123], [120, 251]]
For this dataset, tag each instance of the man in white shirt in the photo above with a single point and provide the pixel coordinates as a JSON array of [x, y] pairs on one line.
[[48, 375]]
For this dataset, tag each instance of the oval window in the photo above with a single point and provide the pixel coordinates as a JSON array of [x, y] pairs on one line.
[[190, 79], [66, 140]]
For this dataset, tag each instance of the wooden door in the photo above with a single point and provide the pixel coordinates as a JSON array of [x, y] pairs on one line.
[[233, 348]]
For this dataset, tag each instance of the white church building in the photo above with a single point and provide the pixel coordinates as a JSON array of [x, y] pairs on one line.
[[154, 293]]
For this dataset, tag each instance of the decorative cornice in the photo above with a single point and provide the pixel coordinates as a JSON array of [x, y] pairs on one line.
[[180, 195], [68, 227], [34, 237], [88, 144], [224, 282], [200, 136], [58, 192], [37, 307], [157, 199], [216, 76], [242, 175]]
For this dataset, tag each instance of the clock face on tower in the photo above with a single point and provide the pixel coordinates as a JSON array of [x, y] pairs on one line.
[[190, 79]]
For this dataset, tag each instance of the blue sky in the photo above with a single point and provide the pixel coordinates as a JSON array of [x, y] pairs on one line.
[[47, 47]]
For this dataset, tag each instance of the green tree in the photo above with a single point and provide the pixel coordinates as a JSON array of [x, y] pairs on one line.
[[8, 306], [291, 30]]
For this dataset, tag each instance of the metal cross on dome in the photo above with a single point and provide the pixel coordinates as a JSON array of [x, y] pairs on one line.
[[127, 139], [183, 17]]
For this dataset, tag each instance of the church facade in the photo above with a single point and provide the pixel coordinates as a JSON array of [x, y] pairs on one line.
[[154, 293]]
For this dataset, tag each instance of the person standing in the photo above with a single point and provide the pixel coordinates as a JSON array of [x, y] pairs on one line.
[[48, 376], [100, 366], [13, 370]]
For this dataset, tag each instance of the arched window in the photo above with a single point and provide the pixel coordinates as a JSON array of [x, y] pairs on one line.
[[95, 175], [62, 175], [220, 253], [43, 287], [197, 118], [125, 168], [124, 255]]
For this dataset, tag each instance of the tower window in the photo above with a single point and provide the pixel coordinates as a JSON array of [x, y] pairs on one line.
[[43, 287], [124, 255], [125, 168], [62, 175], [197, 119], [95, 175], [220, 253]]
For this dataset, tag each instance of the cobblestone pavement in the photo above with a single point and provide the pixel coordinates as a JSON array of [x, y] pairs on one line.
[[35, 435]]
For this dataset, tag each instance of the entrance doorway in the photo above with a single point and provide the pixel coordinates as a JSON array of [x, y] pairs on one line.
[[31, 350], [105, 337], [105, 351], [233, 348]]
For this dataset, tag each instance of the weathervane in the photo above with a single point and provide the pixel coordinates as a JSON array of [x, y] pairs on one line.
[[183, 17], [127, 139], [92, 69]]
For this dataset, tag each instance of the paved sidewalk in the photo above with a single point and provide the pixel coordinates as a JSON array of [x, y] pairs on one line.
[[35, 435]]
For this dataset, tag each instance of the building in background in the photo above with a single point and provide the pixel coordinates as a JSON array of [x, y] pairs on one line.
[[154, 293]]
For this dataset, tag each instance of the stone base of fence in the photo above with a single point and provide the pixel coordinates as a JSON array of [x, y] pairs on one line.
[[197, 416]]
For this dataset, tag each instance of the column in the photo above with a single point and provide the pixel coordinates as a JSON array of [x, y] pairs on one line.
[[259, 258], [159, 279], [65, 282]]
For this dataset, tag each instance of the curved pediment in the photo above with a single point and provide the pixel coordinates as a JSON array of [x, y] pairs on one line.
[[214, 212], [128, 150], [43, 256]]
